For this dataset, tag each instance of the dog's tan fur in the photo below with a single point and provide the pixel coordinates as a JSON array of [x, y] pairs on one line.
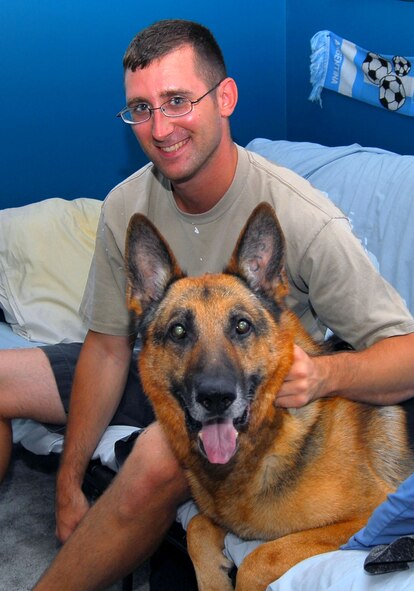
[[303, 480]]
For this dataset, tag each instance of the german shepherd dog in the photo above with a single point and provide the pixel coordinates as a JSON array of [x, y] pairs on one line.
[[216, 350]]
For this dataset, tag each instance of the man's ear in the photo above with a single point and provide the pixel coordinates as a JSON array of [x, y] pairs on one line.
[[227, 96]]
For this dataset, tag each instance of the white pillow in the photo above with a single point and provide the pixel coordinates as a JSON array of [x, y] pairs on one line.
[[45, 254]]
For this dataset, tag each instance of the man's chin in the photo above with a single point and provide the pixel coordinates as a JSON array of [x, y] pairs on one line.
[[177, 175]]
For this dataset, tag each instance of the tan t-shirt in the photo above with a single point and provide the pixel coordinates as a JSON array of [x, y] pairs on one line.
[[332, 281]]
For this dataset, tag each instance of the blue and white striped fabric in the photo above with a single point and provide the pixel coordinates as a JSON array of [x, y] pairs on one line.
[[385, 81]]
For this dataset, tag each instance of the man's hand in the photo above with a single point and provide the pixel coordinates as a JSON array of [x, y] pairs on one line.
[[303, 383], [100, 377], [71, 506], [380, 374]]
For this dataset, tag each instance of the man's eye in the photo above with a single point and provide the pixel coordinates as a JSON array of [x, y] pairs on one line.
[[140, 108], [177, 101]]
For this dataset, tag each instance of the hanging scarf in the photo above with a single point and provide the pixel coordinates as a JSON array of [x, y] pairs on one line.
[[381, 80]]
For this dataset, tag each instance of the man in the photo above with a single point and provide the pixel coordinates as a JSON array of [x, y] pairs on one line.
[[198, 191]]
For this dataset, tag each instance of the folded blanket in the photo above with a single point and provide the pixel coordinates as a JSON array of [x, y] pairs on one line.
[[381, 80]]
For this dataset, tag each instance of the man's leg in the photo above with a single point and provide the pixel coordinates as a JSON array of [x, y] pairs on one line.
[[27, 390], [126, 524]]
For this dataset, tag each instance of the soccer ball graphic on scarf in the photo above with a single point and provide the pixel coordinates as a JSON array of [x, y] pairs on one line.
[[376, 67], [401, 65], [387, 76], [391, 92]]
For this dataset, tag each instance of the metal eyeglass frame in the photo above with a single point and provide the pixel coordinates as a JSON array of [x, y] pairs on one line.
[[162, 108]]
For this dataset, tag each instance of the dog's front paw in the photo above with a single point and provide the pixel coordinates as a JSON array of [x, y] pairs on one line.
[[205, 542]]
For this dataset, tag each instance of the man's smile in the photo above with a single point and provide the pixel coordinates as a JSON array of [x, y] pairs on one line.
[[174, 147]]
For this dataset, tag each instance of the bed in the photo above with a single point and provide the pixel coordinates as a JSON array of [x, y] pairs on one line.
[[45, 251]]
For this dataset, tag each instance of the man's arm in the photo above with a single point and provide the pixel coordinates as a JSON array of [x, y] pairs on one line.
[[100, 378], [381, 374]]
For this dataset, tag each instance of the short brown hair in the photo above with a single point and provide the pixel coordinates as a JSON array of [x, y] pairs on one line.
[[166, 36]]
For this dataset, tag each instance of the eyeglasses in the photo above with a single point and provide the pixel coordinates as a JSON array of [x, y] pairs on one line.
[[176, 106]]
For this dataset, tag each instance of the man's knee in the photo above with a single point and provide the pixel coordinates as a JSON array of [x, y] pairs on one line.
[[153, 458], [151, 474], [167, 474]]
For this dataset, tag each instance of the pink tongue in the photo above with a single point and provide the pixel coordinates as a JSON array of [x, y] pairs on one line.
[[219, 441]]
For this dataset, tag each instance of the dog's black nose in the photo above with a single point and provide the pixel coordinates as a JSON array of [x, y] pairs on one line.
[[215, 394]]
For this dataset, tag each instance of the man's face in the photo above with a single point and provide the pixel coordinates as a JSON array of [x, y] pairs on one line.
[[179, 147]]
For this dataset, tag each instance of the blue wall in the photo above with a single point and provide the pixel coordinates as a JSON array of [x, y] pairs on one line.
[[382, 26], [61, 83], [61, 86]]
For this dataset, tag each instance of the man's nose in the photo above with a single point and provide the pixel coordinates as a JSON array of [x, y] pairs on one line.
[[162, 126]]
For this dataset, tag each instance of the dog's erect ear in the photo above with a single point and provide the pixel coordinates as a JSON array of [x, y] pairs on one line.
[[259, 253], [150, 264]]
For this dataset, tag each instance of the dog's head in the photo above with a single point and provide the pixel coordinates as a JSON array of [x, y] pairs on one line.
[[215, 348]]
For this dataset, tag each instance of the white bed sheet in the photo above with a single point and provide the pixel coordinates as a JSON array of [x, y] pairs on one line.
[[39, 440], [342, 570]]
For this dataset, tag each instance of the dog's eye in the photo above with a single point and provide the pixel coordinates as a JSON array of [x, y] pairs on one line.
[[243, 327], [178, 332]]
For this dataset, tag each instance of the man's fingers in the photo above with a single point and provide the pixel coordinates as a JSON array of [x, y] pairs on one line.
[[295, 389]]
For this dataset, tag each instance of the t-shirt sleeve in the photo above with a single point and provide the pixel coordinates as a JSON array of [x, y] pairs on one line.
[[103, 307], [346, 291]]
